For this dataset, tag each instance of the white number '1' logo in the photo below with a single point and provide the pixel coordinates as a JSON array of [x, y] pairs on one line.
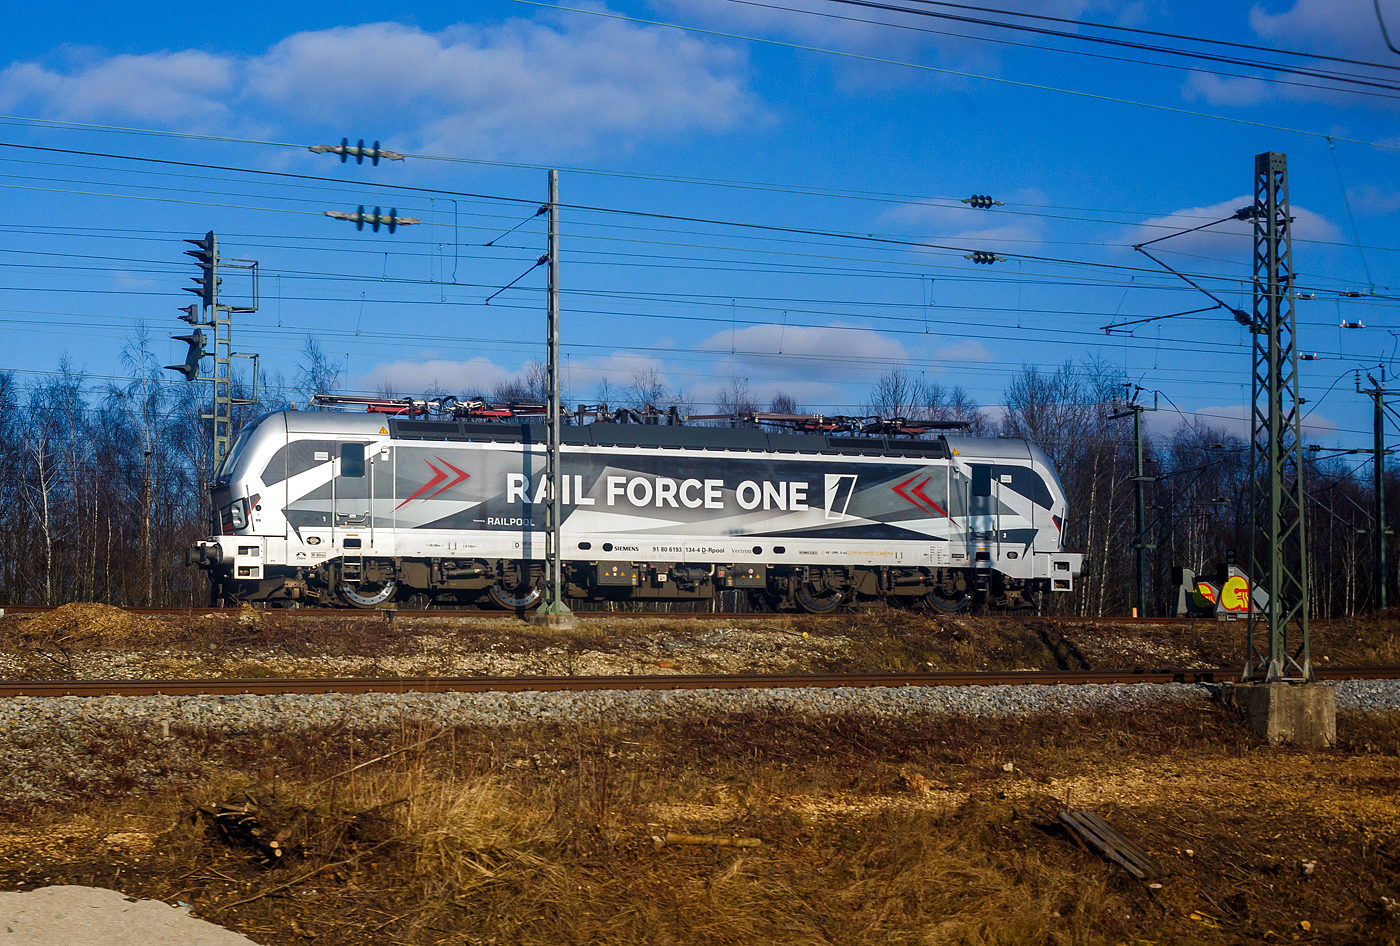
[[840, 487]]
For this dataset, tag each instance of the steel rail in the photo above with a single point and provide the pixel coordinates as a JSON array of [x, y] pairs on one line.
[[357, 685], [393, 613]]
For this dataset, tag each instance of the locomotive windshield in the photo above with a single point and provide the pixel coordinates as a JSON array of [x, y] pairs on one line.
[[239, 443]]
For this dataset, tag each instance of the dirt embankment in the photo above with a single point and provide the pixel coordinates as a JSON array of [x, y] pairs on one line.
[[89, 641]]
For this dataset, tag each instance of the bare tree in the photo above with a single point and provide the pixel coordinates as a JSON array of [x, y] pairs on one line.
[[897, 393], [736, 397], [40, 483], [647, 388], [318, 372], [531, 386], [783, 403], [605, 392], [960, 406]]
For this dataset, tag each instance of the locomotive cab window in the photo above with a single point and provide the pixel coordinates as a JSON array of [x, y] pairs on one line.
[[352, 459], [981, 480]]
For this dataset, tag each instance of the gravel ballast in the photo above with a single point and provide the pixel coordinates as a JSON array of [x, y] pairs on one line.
[[246, 713], [374, 710], [64, 748]]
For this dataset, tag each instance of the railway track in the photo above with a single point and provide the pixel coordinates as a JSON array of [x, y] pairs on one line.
[[391, 614], [354, 685]]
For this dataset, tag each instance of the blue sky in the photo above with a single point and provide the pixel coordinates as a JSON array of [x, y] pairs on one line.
[[650, 123]]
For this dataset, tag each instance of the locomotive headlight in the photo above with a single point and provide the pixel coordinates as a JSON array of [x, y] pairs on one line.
[[313, 540]]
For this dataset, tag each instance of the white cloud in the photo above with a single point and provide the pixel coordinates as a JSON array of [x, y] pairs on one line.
[[578, 82], [825, 368], [481, 375], [463, 378], [835, 339], [1367, 200], [1234, 420], [162, 88], [952, 43], [1232, 239], [485, 90], [817, 365], [1338, 27], [970, 350], [961, 225], [1345, 27], [1242, 92]]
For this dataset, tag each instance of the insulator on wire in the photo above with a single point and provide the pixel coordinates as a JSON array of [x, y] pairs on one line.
[[982, 201], [358, 151]]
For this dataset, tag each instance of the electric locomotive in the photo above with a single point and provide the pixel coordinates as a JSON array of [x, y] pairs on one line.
[[370, 510]]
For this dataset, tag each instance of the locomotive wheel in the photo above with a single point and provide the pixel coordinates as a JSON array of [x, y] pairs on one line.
[[522, 598], [824, 601], [948, 605], [364, 596]]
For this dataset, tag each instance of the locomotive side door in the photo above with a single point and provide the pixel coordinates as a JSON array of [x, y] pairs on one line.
[[381, 505], [983, 525], [351, 491]]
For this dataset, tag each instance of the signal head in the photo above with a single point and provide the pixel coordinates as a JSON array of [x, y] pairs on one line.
[[208, 249], [190, 368], [191, 313]]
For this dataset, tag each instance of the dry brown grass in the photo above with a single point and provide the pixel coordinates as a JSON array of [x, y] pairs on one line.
[[873, 831]]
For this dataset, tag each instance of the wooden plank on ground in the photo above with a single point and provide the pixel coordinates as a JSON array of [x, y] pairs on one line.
[[1112, 843]]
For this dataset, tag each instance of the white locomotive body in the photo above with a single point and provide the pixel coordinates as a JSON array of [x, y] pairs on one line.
[[367, 510]]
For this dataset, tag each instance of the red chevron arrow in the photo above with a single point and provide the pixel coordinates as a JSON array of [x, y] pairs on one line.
[[919, 492], [899, 489], [908, 496], [438, 477], [461, 477]]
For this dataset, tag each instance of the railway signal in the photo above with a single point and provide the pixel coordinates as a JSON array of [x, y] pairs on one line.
[[984, 258], [210, 313], [190, 367], [357, 151], [392, 220], [206, 254]]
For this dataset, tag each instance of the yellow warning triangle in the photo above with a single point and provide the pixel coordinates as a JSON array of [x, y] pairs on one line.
[[383, 431]]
